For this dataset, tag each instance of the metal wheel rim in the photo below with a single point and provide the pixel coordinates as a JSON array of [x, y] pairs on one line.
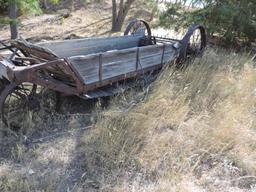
[[189, 48], [15, 100], [195, 45], [135, 25]]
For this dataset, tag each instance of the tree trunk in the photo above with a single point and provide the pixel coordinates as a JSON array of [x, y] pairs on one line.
[[114, 15], [45, 4], [13, 18], [154, 10], [72, 5], [119, 17]]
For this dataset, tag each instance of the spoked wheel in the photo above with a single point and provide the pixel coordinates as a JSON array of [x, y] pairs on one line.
[[136, 26], [17, 103], [193, 43]]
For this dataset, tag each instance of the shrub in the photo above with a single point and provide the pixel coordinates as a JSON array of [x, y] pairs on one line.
[[229, 19], [3, 5], [25, 7]]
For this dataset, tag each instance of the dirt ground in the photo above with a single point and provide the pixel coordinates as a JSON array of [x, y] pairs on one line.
[[88, 20]]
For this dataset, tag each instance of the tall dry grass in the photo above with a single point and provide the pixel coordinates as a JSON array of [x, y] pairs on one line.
[[191, 130], [195, 131]]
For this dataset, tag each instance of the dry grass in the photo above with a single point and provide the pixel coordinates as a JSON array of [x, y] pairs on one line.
[[194, 132]]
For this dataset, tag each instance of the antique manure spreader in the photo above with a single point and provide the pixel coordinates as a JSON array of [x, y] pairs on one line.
[[88, 68]]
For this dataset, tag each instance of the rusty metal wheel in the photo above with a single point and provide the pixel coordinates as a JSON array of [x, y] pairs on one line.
[[141, 27], [193, 43], [136, 26], [17, 103]]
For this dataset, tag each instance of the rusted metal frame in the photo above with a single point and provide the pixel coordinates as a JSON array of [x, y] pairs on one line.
[[14, 54], [93, 86], [29, 59], [19, 75], [166, 39], [55, 85], [40, 59]]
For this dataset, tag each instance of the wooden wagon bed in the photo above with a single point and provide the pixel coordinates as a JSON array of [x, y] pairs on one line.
[[100, 61], [88, 67], [123, 56]]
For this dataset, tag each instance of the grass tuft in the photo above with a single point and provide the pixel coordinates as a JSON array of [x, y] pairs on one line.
[[197, 123]]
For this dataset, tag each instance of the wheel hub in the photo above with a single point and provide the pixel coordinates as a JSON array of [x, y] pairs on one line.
[[33, 103]]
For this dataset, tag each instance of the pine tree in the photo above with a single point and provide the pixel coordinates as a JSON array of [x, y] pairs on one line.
[[228, 19]]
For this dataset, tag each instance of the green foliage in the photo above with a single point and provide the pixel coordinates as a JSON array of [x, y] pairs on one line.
[[3, 5], [229, 19], [169, 18], [29, 7], [55, 1], [4, 20]]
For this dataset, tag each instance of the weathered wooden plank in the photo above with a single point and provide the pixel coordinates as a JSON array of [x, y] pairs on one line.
[[65, 44], [94, 49], [119, 62], [150, 55], [118, 68], [113, 63], [87, 67], [87, 46], [170, 53], [100, 67], [168, 57], [96, 85], [162, 57], [3, 68], [34, 50]]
